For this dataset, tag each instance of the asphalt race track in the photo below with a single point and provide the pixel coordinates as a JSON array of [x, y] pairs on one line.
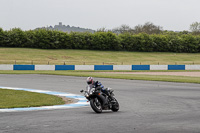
[[145, 107]]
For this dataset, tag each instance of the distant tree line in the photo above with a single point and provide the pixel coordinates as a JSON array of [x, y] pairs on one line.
[[125, 39], [195, 28], [150, 28]]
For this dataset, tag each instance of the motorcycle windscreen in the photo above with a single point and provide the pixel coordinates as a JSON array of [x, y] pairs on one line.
[[89, 88]]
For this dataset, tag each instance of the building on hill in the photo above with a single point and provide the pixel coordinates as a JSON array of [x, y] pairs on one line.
[[61, 27]]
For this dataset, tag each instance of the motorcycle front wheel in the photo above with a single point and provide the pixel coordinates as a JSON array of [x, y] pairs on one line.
[[96, 105], [115, 106]]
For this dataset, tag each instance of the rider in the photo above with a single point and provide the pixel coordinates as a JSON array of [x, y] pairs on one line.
[[97, 84]]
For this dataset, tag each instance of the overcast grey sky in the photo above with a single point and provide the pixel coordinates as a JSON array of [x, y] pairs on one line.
[[174, 15]]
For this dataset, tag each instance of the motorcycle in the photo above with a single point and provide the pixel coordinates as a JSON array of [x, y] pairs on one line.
[[100, 101]]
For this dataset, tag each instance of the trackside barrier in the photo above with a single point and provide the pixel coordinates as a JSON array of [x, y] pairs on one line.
[[192, 67], [158, 67], [122, 67], [23, 67], [84, 67], [44, 67], [6, 67], [140, 67], [64, 67], [103, 67], [99, 67], [176, 67]]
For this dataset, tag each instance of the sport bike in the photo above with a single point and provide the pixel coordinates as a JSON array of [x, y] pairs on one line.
[[100, 101]]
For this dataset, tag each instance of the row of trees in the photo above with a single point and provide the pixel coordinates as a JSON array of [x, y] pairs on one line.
[[195, 28], [48, 39], [150, 28]]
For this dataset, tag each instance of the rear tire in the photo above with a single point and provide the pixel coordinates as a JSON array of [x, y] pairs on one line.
[[115, 106], [96, 105]]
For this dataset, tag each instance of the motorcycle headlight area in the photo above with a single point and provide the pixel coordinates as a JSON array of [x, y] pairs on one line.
[[86, 94], [92, 91]]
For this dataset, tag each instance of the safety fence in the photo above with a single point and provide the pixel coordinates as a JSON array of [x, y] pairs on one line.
[[97, 62], [99, 67]]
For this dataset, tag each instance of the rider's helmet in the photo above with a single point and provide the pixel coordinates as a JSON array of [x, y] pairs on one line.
[[89, 80]]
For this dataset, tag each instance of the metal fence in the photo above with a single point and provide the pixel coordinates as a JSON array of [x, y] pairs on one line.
[[59, 62]]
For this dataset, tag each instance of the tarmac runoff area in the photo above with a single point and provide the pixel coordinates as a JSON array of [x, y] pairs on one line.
[[82, 101], [145, 107]]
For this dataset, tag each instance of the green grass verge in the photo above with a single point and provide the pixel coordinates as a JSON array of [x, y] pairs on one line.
[[184, 79], [18, 98], [92, 57]]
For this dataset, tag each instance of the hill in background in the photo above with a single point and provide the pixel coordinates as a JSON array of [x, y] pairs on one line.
[[64, 28]]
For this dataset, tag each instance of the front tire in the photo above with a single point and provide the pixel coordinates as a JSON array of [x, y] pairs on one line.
[[115, 106], [96, 105]]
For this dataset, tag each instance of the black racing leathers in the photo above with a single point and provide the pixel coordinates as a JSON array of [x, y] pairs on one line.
[[98, 85]]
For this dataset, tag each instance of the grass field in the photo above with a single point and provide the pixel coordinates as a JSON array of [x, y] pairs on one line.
[[91, 57], [88, 57], [18, 98]]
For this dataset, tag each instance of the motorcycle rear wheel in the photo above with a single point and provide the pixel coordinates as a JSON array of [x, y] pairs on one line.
[[96, 105]]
